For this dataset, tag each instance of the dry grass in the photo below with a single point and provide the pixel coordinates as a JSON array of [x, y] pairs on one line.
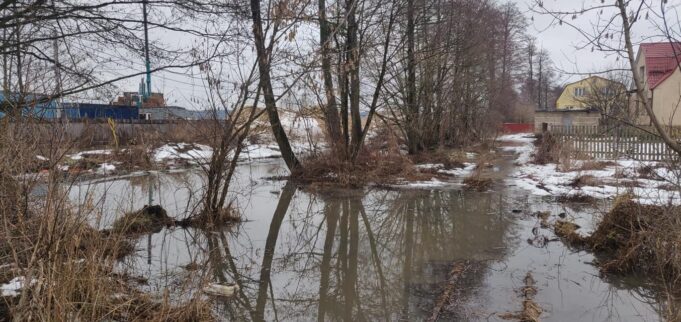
[[69, 267], [73, 278], [129, 159], [478, 183], [209, 221], [450, 160], [635, 238], [477, 180], [647, 172], [146, 220], [135, 157], [568, 231], [621, 174], [370, 167], [585, 180], [576, 198], [641, 238], [543, 218], [595, 165]]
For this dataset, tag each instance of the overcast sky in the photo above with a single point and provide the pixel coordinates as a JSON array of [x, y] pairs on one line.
[[561, 41]]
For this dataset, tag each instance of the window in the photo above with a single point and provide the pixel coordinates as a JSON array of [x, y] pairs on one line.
[[642, 71], [580, 91]]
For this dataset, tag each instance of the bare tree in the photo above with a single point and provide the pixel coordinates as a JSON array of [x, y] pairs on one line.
[[264, 58]]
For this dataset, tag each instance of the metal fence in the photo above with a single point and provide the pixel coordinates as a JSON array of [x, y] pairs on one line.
[[614, 142]]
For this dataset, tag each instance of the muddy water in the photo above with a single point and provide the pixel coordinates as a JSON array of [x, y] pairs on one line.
[[369, 255]]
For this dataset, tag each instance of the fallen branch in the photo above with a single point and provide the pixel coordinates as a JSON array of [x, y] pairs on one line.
[[457, 271]]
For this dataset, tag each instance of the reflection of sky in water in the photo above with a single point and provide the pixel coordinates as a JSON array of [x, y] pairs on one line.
[[431, 231]]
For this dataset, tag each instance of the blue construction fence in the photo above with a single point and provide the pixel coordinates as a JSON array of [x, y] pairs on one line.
[[41, 107]]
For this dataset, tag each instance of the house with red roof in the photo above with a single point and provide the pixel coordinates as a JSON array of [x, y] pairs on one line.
[[658, 65]]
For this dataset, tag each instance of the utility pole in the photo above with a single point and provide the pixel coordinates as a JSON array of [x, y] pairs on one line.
[[147, 93], [57, 72], [541, 62], [5, 65], [17, 31]]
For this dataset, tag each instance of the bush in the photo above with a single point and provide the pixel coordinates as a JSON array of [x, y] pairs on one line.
[[370, 167], [547, 149]]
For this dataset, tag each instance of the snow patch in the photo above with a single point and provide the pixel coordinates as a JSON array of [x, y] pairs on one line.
[[195, 153], [548, 180], [106, 168], [433, 183], [518, 138], [259, 151], [460, 172], [79, 155], [13, 287]]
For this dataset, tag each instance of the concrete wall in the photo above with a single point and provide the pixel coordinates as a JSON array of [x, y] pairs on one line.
[[565, 118]]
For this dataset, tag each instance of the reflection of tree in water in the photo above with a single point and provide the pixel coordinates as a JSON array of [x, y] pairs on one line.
[[383, 262]]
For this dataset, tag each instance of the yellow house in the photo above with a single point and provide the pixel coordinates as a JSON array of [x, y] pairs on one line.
[[588, 93]]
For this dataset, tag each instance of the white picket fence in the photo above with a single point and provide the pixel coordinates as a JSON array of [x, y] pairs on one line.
[[603, 142]]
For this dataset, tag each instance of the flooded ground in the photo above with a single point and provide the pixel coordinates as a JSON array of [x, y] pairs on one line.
[[367, 255]]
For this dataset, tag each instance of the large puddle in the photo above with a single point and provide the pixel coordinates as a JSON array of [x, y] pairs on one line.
[[366, 255]]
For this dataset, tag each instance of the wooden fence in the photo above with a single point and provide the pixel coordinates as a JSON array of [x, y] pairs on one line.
[[613, 142]]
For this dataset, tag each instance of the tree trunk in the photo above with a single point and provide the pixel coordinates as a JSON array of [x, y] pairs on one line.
[[412, 108], [343, 83], [331, 110], [268, 93], [353, 73]]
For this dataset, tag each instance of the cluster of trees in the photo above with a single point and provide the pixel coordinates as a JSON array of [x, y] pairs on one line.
[[463, 66], [435, 72], [435, 69]]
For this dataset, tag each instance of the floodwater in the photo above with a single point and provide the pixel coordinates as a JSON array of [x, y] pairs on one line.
[[366, 255]]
